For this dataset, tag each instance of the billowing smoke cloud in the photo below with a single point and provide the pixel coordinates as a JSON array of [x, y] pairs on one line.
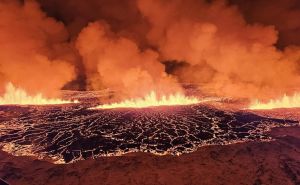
[[122, 16], [224, 54], [283, 14], [33, 51], [117, 62], [229, 50]]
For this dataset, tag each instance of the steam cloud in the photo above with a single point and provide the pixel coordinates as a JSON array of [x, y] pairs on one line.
[[33, 49], [117, 63], [224, 54], [121, 45]]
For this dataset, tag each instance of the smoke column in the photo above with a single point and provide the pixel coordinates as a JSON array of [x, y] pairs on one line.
[[117, 62], [229, 48], [34, 54], [223, 53]]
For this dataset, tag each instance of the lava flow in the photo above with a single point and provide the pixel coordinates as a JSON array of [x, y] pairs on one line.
[[152, 100], [283, 102], [18, 96]]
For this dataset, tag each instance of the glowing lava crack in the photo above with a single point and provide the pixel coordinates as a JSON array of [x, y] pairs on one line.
[[152, 100], [70, 133]]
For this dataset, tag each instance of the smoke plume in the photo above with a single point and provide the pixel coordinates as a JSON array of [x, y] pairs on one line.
[[33, 49], [224, 54], [229, 48], [283, 14], [117, 62]]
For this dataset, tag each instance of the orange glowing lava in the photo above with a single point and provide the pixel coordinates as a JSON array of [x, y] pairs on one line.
[[152, 100], [284, 102], [17, 96]]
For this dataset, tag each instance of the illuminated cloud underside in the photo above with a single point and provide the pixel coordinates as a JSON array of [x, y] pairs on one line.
[[17, 96]]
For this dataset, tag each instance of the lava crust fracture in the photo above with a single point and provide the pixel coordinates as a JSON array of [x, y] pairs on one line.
[[70, 133]]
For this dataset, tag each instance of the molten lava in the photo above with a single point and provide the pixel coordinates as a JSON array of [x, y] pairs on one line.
[[152, 100], [17, 96], [283, 102]]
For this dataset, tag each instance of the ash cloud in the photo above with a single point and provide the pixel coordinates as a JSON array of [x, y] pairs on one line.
[[116, 62], [34, 54], [283, 14], [226, 55], [232, 48]]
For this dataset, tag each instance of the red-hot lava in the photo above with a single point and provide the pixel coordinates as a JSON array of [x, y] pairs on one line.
[[16, 96], [283, 102], [148, 53], [152, 100]]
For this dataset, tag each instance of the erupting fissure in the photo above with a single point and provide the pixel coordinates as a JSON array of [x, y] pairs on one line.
[[18, 96], [283, 102], [152, 100]]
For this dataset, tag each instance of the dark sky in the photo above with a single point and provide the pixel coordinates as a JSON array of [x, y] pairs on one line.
[[283, 14]]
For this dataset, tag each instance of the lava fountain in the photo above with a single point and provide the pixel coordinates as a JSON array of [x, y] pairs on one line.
[[152, 100], [283, 102], [18, 96]]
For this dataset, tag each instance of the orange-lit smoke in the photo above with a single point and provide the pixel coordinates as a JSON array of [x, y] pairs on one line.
[[33, 51], [121, 45], [224, 54], [283, 14], [117, 62]]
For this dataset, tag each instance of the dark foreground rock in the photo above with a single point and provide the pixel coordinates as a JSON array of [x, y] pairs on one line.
[[255, 163]]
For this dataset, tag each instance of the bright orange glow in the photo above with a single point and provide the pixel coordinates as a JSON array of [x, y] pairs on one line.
[[151, 100], [284, 102], [17, 96]]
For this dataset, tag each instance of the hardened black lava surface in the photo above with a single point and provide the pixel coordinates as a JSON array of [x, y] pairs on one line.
[[75, 132]]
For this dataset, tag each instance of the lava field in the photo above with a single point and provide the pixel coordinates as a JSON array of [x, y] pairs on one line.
[[66, 133]]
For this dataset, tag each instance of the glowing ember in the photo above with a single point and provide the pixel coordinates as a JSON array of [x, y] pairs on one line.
[[284, 102], [152, 100], [17, 96]]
